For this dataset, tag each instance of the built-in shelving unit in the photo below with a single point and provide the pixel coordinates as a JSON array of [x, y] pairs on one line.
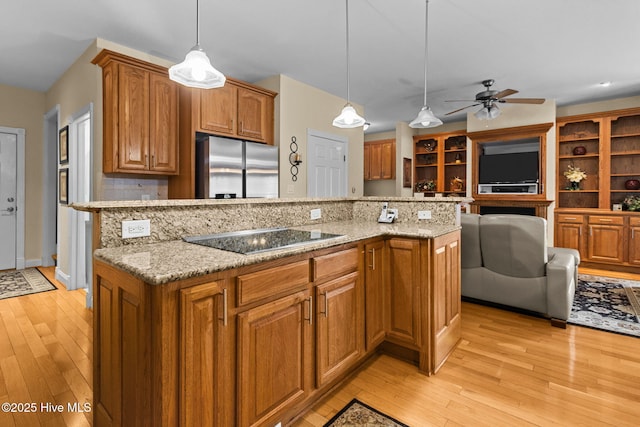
[[440, 159]]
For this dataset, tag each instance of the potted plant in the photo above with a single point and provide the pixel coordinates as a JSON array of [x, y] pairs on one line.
[[574, 175], [631, 203]]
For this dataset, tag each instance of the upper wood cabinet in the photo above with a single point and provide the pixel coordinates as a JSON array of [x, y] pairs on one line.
[[237, 110], [380, 159], [140, 114]]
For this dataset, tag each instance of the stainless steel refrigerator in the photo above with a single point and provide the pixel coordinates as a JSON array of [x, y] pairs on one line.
[[230, 168]]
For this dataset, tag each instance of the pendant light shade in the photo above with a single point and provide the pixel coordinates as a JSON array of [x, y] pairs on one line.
[[348, 117], [425, 118], [196, 69]]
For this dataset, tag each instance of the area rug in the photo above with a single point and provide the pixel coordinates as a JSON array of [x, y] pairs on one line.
[[16, 283], [608, 304], [357, 413]]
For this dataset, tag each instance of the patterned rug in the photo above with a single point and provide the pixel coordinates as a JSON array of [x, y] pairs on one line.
[[357, 413], [16, 283], [607, 304]]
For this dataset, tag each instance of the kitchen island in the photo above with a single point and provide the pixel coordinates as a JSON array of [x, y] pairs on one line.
[[191, 335]]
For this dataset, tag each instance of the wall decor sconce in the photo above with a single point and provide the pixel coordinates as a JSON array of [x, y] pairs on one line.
[[294, 158]]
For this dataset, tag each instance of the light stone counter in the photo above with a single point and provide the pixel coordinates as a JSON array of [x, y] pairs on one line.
[[168, 261]]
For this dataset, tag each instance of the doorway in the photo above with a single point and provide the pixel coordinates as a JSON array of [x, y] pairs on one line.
[[327, 168], [12, 198]]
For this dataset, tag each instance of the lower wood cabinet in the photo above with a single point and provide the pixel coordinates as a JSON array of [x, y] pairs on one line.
[[259, 344], [274, 357], [604, 239]]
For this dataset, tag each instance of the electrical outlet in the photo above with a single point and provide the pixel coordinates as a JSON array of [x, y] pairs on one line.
[[136, 228], [424, 214], [316, 213]]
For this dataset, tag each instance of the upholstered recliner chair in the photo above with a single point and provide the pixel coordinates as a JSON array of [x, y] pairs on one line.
[[505, 260]]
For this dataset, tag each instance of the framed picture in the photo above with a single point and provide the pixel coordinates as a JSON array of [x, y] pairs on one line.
[[63, 186], [63, 140], [406, 172]]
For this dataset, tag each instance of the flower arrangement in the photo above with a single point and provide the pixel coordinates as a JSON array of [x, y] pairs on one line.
[[429, 185], [631, 203], [574, 174]]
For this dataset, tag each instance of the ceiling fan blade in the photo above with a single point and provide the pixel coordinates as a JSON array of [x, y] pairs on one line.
[[523, 100], [460, 109], [504, 93]]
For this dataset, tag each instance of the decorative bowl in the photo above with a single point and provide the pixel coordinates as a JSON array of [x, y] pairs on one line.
[[632, 184], [579, 151]]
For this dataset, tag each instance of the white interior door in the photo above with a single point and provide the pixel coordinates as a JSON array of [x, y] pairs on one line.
[[327, 168], [8, 200]]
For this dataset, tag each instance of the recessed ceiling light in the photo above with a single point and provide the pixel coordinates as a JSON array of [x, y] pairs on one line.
[[605, 84]]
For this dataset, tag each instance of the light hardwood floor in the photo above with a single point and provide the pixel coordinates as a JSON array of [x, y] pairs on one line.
[[509, 370]]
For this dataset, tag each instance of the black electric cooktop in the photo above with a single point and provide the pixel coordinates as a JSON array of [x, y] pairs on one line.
[[254, 241]]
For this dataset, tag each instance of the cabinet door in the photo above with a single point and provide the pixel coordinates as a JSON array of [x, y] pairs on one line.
[[204, 346], [274, 357], [403, 292], [634, 244], [340, 337], [374, 294], [218, 109], [569, 236], [163, 125], [133, 118], [446, 306], [388, 160], [606, 243], [375, 165], [254, 121], [367, 162]]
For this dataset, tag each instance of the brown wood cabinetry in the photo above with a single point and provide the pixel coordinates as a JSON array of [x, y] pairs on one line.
[[375, 306], [258, 344], [140, 109], [380, 159], [438, 159], [605, 240]]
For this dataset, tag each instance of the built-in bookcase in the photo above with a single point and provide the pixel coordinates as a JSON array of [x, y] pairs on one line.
[[439, 159]]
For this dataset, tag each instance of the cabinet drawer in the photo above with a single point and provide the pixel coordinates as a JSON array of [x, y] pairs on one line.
[[274, 281], [334, 264], [606, 220], [634, 221], [575, 219]]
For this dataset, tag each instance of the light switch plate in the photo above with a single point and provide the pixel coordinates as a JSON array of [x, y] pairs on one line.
[[136, 228], [316, 213]]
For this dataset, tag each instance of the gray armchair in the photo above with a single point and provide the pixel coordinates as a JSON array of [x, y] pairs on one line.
[[505, 260]]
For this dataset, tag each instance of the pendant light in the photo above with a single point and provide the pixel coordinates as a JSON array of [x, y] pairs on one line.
[[348, 118], [425, 118], [196, 69], [488, 112]]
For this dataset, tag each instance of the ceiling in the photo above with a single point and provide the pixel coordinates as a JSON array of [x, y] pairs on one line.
[[550, 49]]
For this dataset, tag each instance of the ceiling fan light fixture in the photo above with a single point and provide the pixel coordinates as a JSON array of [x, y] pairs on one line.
[[196, 69], [348, 118], [425, 119], [487, 113]]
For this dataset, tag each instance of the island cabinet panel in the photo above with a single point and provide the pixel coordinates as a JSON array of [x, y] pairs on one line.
[[445, 288], [374, 256], [121, 345], [204, 355], [403, 292], [340, 326], [274, 358]]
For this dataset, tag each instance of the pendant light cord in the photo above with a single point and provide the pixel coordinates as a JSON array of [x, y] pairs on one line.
[[348, 70], [426, 32], [197, 23]]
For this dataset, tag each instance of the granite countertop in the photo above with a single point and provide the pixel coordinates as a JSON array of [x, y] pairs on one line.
[[164, 262]]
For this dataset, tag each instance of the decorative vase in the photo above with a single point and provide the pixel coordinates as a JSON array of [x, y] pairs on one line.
[[579, 151], [632, 184], [573, 186]]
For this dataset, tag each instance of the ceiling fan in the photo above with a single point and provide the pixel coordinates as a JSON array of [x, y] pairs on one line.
[[489, 98]]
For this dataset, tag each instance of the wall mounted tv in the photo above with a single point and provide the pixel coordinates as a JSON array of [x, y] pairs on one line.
[[510, 168]]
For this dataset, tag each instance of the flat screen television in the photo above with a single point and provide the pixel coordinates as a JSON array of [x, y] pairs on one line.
[[509, 168]]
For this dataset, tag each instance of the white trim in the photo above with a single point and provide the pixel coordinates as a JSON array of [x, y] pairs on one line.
[[50, 163], [20, 171], [62, 277]]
